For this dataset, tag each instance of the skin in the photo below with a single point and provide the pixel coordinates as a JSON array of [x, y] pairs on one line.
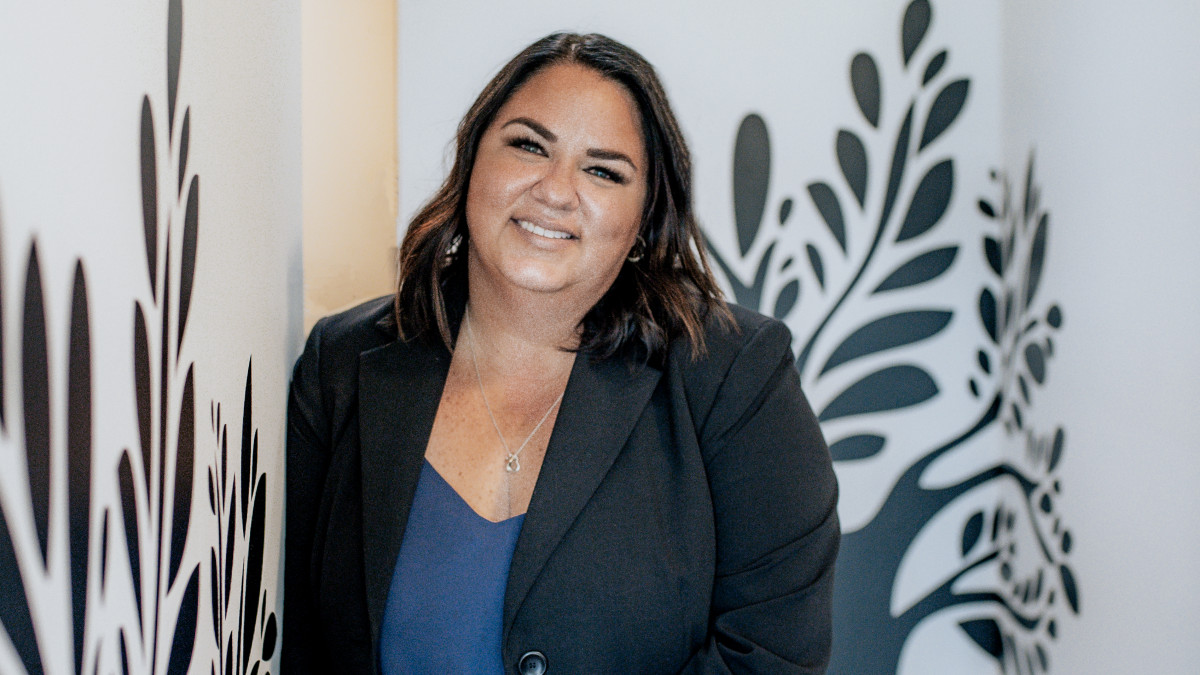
[[563, 157]]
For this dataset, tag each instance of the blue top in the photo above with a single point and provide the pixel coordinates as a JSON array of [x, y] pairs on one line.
[[446, 601]]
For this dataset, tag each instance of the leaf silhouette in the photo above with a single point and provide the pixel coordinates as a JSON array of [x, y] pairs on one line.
[[971, 532], [35, 390], [141, 382], [987, 314], [934, 67], [986, 208], [831, 211], [1069, 587], [14, 605], [247, 433], [751, 176], [214, 585], [1054, 317], [187, 267], [924, 267], [254, 565], [930, 201], [174, 47], [184, 140], [185, 628], [916, 23], [1036, 360], [150, 195], [1037, 258], [783, 304], [852, 157], [889, 332], [891, 388], [1056, 450], [991, 250], [860, 446], [818, 268], [985, 364], [185, 458], [229, 549], [270, 632], [864, 79], [945, 109], [104, 548], [130, 519], [79, 453], [785, 210], [986, 634]]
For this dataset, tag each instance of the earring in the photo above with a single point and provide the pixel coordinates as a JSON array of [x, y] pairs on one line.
[[638, 251], [452, 249]]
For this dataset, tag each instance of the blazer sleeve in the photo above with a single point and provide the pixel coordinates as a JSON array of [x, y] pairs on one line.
[[308, 450], [775, 509]]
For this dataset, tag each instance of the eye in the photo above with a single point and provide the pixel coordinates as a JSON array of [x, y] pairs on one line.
[[607, 174], [527, 144]]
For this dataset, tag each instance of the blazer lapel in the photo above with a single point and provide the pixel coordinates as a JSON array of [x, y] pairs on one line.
[[603, 401], [400, 385]]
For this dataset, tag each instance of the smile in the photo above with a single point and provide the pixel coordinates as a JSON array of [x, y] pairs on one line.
[[541, 231]]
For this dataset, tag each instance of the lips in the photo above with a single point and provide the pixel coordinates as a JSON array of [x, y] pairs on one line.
[[542, 231]]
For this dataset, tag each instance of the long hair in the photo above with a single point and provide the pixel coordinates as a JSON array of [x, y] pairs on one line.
[[668, 293]]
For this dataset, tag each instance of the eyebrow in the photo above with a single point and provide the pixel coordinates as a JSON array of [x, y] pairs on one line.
[[597, 153]]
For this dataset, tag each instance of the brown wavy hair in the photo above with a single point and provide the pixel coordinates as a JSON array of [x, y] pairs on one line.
[[668, 293]]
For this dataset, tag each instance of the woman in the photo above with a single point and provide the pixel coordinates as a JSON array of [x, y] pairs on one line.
[[556, 449]]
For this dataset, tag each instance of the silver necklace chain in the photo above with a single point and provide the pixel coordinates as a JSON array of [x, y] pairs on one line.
[[512, 463]]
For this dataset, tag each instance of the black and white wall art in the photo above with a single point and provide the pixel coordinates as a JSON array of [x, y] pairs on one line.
[[140, 502]]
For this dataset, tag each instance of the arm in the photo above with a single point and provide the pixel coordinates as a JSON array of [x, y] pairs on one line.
[[775, 510], [308, 441]]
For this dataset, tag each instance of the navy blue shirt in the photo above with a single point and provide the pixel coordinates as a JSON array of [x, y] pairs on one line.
[[446, 601]]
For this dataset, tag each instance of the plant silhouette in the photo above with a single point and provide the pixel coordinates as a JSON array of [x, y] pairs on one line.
[[238, 501], [156, 480]]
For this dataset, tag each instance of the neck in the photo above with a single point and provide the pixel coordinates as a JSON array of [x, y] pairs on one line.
[[518, 321], [524, 340]]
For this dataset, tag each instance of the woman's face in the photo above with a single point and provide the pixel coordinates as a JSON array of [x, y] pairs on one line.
[[557, 189]]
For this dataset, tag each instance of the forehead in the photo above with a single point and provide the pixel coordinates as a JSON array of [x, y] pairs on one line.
[[571, 94]]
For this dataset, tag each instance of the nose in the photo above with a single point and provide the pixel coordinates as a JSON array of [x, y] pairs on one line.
[[556, 187]]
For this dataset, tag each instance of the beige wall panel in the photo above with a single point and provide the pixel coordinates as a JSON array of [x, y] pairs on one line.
[[349, 144]]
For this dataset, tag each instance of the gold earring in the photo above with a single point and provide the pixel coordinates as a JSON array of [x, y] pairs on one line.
[[638, 251]]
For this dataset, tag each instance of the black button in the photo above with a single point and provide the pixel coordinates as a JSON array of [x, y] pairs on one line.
[[532, 663]]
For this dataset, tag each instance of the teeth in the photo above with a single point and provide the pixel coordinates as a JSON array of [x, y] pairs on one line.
[[541, 231]]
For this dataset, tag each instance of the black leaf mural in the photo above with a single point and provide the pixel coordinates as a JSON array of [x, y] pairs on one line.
[[873, 248], [244, 628]]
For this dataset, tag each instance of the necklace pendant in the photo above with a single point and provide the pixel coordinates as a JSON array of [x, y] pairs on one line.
[[513, 464]]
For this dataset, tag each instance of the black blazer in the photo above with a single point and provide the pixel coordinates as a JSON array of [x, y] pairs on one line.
[[684, 519]]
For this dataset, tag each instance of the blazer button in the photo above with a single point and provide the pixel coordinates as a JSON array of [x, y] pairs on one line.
[[532, 663]]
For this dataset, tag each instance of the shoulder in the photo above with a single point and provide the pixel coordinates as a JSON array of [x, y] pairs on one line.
[[749, 334], [741, 358], [331, 352]]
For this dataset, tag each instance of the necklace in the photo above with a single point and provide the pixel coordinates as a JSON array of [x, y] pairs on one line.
[[512, 463]]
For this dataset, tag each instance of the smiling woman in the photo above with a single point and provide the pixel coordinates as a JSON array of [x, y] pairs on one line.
[[608, 469]]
